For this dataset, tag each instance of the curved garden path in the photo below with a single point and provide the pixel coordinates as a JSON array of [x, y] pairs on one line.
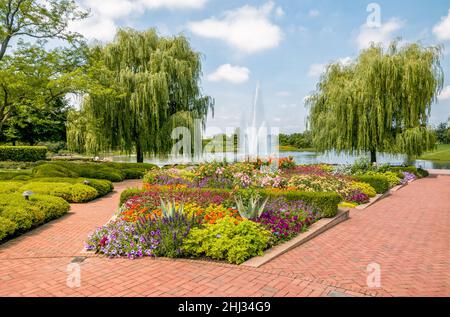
[[407, 234]]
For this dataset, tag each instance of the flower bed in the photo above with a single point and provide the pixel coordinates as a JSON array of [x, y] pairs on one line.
[[231, 212]]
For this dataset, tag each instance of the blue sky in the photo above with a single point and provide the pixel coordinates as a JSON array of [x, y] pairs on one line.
[[284, 44]]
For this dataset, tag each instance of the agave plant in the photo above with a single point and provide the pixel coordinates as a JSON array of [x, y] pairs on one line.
[[254, 209], [169, 209]]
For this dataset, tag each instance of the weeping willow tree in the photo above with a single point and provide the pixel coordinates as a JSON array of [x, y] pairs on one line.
[[379, 103], [143, 86]]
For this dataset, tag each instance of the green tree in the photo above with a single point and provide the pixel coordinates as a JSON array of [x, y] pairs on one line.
[[379, 103], [442, 133], [34, 83], [143, 86], [39, 19], [34, 124]]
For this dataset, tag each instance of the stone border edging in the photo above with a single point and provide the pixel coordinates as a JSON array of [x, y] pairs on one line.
[[313, 231]]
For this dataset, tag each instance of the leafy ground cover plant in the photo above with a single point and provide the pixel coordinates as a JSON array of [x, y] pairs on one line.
[[226, 240]]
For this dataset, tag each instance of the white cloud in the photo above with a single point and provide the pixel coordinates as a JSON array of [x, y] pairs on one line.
[[248, 29], [279, 12], [345, 61], [232, 74], [94, 27], [445, 94], [314, 13], [442, 29], [315, 70], [101, 25], [383, 34]]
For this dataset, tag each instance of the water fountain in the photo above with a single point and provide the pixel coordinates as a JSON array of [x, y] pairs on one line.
[[256, 139]]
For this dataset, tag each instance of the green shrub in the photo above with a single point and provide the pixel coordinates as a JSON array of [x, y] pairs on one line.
[[9, 187], [11, 174], [421, 173], [20, 216], [103, 187], [227, 240], [73, 193], [23, 153], [12, 166], [7, 228], [128, 193], [394, 178], [378, 182], [327, 203], [53, 170], [133, 173], [92, 170], [52, 207], [27, 214]]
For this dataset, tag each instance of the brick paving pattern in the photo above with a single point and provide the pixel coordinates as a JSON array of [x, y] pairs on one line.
[[407, 234]]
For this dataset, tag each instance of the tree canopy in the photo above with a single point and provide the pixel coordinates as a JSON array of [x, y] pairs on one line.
[[379, 103], [143, 86], [33, 85], [39, 19]]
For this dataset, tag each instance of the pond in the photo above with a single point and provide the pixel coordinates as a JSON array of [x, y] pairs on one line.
[[300, 158]]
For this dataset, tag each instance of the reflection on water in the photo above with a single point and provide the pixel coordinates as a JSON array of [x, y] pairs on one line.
[[300, 158]]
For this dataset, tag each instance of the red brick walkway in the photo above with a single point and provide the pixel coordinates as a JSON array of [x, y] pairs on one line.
[[407, 234]]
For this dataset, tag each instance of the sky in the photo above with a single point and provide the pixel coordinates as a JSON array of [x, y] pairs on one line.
[[284, 45]]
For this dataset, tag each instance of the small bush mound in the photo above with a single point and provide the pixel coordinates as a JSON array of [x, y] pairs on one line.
[[378, 182], [13, 175], [103, 187], [52, 207], [9, 187], [128, 193], [227, 240], [23, 153], [7, 228], [72, 193], [53, 170], [419, 172], [27, 214], [114, 172]]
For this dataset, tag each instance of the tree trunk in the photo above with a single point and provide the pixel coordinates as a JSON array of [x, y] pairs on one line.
[[373, 157], [139, 153]]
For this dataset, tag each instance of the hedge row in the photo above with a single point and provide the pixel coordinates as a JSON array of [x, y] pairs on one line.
[[23, 153], [378, 182], [18, 215], [419, 172], [114, 172], [327, 203]]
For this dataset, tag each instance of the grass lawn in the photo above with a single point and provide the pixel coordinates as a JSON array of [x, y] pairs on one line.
[[442, 153], [287, 148]]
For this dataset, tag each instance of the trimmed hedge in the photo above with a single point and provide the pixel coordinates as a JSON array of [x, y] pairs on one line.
[[128, 193], [72, 193], [53, 170], [18, 215], [14, 175], [419, 172], [7, 228], [114, 172], [102, 186], [379, 183], [23, 153], [9, 187], [326, 202]]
